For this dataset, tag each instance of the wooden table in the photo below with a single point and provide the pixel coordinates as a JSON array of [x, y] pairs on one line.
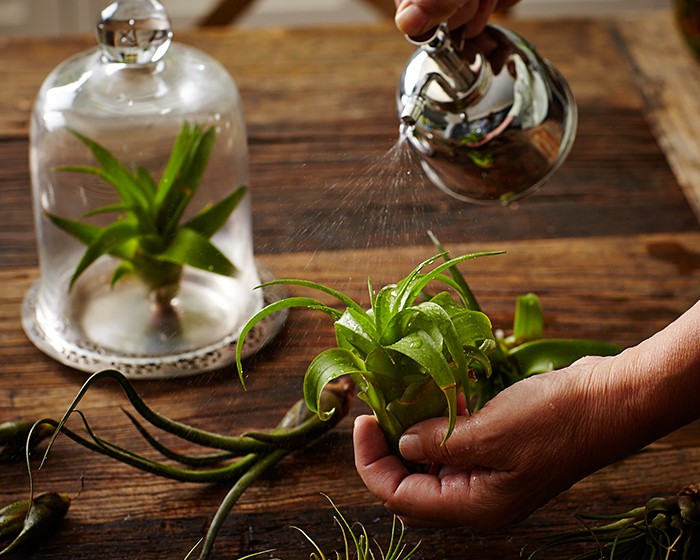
[[611, 245]]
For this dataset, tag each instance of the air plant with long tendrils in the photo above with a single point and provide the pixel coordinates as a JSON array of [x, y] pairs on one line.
[[239, 460]]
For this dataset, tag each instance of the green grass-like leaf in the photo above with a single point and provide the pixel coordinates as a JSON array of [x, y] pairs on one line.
[[106, 241], [357, 545]]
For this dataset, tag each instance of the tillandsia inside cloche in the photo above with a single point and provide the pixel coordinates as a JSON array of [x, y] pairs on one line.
[[139, 166]]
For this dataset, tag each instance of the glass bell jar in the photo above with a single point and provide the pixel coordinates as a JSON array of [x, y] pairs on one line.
[[139, 167]]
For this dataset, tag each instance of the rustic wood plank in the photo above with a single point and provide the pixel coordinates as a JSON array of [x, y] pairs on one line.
[[610, 245], [315, 188], [620, 288], [226, 11], [308, 162], [668, 76]]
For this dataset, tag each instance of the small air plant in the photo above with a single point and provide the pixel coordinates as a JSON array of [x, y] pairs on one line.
[[665, 528], [148, 235], [361, 549], [356, 544], [411, 354], [24, 522], [238, 460]]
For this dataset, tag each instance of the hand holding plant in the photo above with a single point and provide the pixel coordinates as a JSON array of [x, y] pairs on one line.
[[539, 436], [528, 444], [411, 354]]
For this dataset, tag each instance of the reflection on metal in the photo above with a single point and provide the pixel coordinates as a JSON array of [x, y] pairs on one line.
[[489, 117]]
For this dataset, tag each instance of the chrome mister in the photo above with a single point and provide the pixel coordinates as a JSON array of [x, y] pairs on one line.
[[490, 119]]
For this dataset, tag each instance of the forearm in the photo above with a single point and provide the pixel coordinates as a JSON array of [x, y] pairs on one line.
[[650, 390]]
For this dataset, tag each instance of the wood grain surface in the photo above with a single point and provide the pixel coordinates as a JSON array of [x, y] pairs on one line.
[[667, 76], [611, 245]]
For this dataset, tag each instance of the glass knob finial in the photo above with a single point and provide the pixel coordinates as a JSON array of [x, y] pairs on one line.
[[134, 31]]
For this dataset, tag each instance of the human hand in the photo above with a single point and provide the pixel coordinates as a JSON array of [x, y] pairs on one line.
[[538, 437], [497, 467], [416, 17]]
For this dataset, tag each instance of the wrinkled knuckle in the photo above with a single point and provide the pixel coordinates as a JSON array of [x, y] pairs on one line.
[[449, 453], [453, 451]]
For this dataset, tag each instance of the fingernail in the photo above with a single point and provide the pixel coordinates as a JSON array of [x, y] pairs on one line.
[[411, 20], [411, 449]]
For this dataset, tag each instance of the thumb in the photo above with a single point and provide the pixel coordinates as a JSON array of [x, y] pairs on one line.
[[425, 443], [415, 17]]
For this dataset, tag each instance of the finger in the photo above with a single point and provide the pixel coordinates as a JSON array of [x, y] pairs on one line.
[[380, 470], [478, 21], [506, 4], [425, 443], [407, 495], [422, 500], [411, 496], [446, 497], [415, 17], [462, 409]]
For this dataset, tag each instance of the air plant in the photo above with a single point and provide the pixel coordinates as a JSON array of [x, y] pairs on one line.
[[361, 549], [356, 544], [148, 235], [25, 521], [238, 460], [665, 528], [411, 353]]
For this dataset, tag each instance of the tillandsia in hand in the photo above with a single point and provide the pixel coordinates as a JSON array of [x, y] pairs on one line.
[[239, 460], [148, 235], [665, 528], [412, 353], [26, 521]]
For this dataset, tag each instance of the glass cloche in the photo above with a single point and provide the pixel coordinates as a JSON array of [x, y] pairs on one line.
[[139, 166]]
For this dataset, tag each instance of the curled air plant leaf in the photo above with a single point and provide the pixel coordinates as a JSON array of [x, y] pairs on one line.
[[409, 359], [13, 438], [238, 460], [148, 235], [665, 528], [27, 521], [411, 353]]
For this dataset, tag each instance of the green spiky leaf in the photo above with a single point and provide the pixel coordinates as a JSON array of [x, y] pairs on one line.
[[146, 234], [411, 355]]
